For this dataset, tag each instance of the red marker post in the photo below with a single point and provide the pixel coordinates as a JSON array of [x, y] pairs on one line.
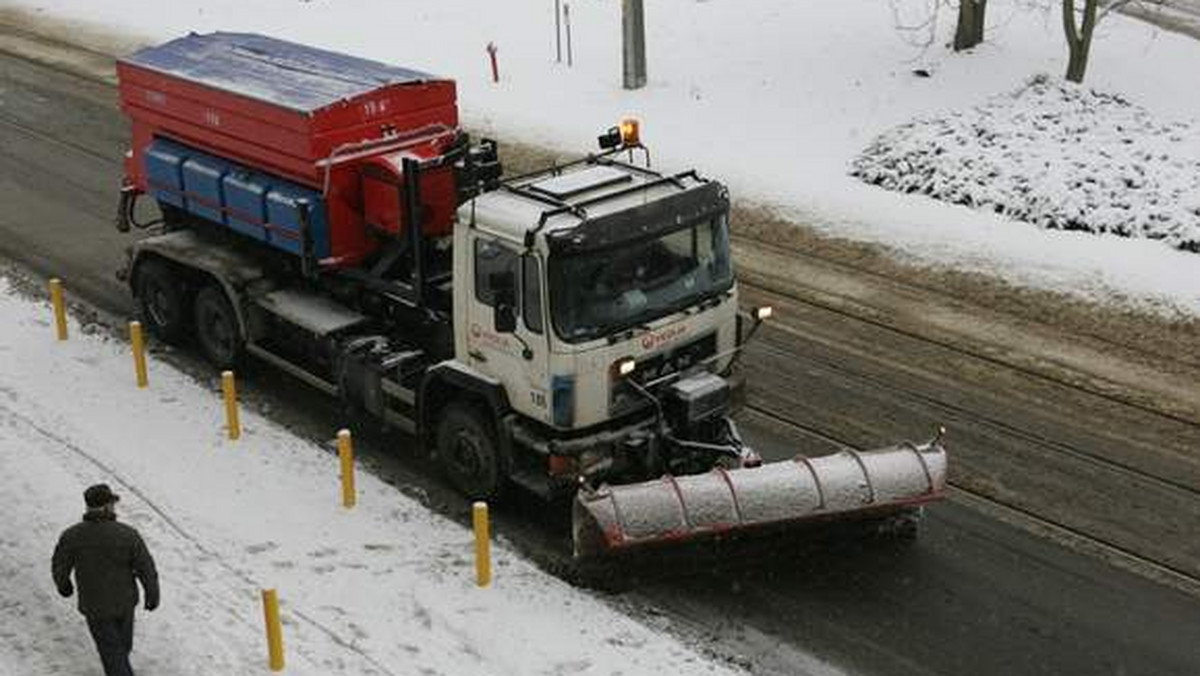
[[491, 49]]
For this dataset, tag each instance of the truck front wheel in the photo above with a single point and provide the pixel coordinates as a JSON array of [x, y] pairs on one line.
[[217, 327], [162, 301], [467, 453]]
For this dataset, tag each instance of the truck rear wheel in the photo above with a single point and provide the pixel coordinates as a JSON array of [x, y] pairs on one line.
[[163, 302], [217, 327], [468, 454]]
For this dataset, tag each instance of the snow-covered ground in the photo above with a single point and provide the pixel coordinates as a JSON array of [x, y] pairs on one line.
[[386, 588], [776, 97], [1053, 154]]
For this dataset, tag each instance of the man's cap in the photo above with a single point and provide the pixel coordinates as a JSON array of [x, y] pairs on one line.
[[99, 496]]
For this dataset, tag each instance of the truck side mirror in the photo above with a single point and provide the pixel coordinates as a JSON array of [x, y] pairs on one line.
[[505, 319], [504, 300]]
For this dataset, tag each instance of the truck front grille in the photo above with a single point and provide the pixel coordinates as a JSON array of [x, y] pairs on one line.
[[624, 399]]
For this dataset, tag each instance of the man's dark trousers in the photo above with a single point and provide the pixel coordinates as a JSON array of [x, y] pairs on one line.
[[114, 641]]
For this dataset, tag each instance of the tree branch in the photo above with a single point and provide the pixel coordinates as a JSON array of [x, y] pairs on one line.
[[928, 26], [1069, 22], [1089, 20], [1116, 5], [1112, 7]]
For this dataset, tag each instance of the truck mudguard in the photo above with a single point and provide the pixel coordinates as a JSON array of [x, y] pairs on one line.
[[454, 376]]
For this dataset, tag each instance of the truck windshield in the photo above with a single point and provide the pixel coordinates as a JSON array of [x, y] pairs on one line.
[[598, 292]]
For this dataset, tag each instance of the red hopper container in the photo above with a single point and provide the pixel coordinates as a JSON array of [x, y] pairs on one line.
[[336, 124]]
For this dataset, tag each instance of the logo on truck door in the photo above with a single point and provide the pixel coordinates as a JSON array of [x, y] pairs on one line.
[[488, 339]]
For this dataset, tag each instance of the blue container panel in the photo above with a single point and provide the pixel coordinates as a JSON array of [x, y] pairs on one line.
[[245, 203], [202, 181], [164, 170], [260, 206], [283, 217]]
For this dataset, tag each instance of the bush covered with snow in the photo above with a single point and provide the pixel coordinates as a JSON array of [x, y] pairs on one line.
[[1054, 154]]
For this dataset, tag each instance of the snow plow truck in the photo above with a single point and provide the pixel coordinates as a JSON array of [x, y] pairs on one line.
[[569, 331]]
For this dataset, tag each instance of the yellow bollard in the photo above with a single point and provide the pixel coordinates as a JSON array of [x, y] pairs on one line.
[[483, 545], [60, 310], [346, 455], [139, 353], [274, 632], [229, 387]]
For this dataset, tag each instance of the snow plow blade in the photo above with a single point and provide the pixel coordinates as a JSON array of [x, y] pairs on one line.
[[845, 485]]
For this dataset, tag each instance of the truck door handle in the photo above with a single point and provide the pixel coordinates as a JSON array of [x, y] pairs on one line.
[[477, 355]]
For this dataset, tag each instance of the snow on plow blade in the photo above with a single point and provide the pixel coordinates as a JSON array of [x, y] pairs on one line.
[[847, 484]]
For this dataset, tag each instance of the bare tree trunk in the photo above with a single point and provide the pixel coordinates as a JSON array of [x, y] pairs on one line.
[[969, 31], [1079, 38]]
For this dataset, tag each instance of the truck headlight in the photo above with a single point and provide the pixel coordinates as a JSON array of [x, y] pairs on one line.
[[625, 366]]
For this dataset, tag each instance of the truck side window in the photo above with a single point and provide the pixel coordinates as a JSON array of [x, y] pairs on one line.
[[531, 290], [491, 256]]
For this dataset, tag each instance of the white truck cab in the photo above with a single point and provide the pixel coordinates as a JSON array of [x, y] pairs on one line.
[[568, 272]]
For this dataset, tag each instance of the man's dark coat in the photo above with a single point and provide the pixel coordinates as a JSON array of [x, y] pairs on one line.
[[106, 557]]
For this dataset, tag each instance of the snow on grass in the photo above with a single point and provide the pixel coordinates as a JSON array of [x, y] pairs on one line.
[[1056, 155], [386, 588], [774, 97]]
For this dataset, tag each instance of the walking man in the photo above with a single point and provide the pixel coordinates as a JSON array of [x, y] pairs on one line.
[[106, 556]]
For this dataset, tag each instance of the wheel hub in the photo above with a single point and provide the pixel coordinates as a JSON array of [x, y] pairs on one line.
[[157, 304], [467, 455], [217, 330]]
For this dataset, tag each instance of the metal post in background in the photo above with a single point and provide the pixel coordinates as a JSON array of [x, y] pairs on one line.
[[491, 50], [633, 43], [567, 21], [557, 31]]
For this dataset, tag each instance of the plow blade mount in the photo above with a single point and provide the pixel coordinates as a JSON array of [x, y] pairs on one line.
[[844, 485]]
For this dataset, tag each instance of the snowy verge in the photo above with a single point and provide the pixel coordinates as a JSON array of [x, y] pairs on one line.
[[1054, 154], [386, 588]]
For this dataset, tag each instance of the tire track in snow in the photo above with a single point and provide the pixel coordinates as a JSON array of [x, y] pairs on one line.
[[1127, 558]]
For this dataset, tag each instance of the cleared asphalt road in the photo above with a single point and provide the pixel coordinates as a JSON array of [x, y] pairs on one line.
[[974, 596]]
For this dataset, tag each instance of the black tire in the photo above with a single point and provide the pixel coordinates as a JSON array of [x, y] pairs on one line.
[[468, 453], [163, 302], [217, 330]]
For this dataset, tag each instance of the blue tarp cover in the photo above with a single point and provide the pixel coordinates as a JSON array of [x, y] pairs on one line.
[[304, 79]]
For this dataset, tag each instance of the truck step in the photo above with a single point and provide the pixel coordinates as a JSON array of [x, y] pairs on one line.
[[316, 314]]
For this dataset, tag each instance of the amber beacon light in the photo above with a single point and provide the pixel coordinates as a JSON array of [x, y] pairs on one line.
[[630, 133], [625, 135]]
